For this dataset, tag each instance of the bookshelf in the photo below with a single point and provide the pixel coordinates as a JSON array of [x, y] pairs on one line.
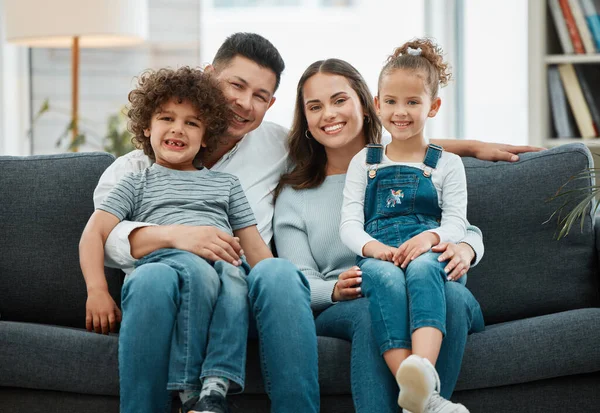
[[544, 50]]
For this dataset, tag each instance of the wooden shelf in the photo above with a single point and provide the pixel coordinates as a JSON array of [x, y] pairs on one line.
[[572, 58]]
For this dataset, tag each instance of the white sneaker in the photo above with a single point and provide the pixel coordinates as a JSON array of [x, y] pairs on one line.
[[437, 404], [417, 380]]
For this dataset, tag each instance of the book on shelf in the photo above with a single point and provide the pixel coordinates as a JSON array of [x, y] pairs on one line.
[[562, 117], [591, 11], [577, 101], [582, 27], [561, 27], [571, 26], [589, 79]]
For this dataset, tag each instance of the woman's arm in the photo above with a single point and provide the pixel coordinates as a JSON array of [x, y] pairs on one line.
[[292, 243]]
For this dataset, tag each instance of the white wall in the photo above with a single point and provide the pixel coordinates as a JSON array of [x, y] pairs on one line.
[[14, 96], [363, 35], [496, 71]]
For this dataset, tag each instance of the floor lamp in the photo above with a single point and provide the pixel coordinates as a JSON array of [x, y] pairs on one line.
[[76, 24]]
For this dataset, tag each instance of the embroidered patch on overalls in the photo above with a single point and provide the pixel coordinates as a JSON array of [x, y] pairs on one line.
[[394, 198]]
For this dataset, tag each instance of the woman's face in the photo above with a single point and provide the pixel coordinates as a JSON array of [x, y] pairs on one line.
[[333, 111]]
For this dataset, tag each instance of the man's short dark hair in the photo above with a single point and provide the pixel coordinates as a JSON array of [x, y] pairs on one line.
[[254, 47]]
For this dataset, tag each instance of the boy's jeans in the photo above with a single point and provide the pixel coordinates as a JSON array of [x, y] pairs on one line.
[[183, 319]]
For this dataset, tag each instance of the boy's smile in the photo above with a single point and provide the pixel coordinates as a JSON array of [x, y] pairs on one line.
[[176, 135]]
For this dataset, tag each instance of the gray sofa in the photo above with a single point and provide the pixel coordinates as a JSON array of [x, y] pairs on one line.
[[540, 297]]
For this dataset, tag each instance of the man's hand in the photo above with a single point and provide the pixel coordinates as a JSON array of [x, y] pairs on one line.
[[101, 312], [414, 247], [376, 249], [348, 285], [459, 257], [207, 242], [500, 152]]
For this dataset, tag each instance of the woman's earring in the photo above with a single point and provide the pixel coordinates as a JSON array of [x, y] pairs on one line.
[[306, 132]]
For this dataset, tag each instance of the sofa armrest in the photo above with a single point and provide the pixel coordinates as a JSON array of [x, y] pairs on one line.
[[597, 235]]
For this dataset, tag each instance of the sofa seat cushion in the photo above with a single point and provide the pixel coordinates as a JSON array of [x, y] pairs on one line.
[[537, 348], [66, 359]]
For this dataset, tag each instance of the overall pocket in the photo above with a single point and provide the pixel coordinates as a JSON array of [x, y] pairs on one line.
[[396, 196]]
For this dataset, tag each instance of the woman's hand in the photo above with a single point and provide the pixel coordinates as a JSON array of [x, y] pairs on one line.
[[414, 247], [459, 257], [348, 285]]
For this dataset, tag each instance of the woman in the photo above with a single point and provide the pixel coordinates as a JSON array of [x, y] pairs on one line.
[[334, 119]]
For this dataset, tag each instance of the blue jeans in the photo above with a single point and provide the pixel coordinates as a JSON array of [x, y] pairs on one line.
[[385, 286], [172, 303], [280, 307], [374, 389]]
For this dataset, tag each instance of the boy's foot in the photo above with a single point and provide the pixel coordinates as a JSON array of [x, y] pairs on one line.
[[212, 403]]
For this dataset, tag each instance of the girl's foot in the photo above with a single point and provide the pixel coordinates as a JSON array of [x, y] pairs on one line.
[[419, 388]]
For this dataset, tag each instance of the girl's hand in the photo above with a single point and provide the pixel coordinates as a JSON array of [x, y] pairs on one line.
[[378, 250], [414, 247], [101, 313], [460, 257], [348, 285]]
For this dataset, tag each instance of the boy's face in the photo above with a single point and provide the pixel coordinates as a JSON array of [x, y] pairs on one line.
[[249, 88], [176, 135]]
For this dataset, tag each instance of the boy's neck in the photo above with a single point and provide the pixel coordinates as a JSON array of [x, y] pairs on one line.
[[410, 150]]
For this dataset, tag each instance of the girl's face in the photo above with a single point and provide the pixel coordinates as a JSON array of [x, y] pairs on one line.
[[404, 104], [333, 111], [176, 135]]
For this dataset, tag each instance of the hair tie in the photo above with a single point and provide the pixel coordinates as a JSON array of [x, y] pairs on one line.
[[414, 52]]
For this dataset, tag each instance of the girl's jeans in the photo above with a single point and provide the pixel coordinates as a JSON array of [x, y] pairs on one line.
[[451, 308]]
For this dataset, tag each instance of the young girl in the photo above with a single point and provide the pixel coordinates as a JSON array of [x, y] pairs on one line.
[[174, 115], [400, 200]]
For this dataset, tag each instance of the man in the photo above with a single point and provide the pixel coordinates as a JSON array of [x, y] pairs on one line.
[[249, 69]]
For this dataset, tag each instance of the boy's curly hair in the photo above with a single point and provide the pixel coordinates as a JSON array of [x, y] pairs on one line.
[[155, 88]]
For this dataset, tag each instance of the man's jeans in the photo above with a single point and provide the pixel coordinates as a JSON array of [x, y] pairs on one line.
[[172, 303]]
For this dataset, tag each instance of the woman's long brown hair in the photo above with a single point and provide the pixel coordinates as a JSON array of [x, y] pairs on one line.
[[307, 156]]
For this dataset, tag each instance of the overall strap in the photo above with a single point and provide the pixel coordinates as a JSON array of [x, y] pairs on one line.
[[432, 156]]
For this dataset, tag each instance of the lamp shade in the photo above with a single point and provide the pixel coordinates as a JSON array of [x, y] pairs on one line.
[[97, 23]]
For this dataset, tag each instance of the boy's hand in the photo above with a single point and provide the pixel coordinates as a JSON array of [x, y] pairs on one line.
[[376, 249], [414, 247], [348, 285], [101, 313]]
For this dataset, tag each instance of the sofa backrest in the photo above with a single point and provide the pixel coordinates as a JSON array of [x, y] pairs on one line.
[[45, 202], [526, 271]]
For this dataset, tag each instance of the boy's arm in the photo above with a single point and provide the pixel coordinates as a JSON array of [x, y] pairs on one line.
[[102, 313], [486, 151], [253, 245]]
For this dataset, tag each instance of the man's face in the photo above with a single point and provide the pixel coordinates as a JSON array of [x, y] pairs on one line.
[[249, 88]]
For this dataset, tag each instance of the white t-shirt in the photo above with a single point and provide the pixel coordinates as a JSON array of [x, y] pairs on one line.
[[258, 160], [450, 183]]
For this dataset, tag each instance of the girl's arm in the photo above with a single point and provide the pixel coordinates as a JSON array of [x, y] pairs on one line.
[[253, 245], [453, 226], [352, 222], [102, 313]]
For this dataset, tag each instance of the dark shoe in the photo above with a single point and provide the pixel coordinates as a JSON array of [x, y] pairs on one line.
[[213, 403]]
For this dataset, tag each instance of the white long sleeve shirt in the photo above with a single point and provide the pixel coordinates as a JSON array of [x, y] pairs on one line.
[[258, 160], [448, 178]]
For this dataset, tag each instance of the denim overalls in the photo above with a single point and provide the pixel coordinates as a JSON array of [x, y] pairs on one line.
[[401, 202]]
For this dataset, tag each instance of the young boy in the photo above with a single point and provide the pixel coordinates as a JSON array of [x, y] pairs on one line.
[[176, 116]]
